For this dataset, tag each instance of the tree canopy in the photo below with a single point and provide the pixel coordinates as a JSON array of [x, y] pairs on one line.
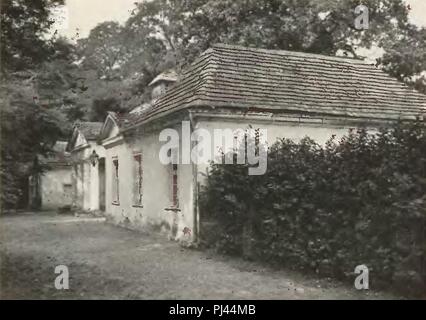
[[31, 121], [165, 34], [24, 23]]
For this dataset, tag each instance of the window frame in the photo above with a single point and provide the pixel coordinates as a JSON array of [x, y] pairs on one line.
[[116, 182], [174, 186], [138, 161]]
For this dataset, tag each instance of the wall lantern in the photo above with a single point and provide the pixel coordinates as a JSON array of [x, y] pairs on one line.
[[94, 158]]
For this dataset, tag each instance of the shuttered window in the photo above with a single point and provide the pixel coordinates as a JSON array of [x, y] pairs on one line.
[[174, 176], [137, 179], [115, 182]]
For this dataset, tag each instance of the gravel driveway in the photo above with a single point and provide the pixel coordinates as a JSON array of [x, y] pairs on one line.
[[109, 262]]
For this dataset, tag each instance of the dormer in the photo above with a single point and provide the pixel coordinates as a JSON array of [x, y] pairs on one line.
[[162, 82]]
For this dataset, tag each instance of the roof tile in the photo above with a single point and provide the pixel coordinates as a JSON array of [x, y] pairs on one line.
[[287, 81]]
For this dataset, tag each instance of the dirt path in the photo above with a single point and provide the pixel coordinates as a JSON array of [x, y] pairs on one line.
[[108, 262]]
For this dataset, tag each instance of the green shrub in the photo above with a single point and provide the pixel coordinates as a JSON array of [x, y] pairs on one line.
[[327, 209]]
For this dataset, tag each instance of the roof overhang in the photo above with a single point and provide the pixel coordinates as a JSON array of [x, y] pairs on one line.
[[112, 142]]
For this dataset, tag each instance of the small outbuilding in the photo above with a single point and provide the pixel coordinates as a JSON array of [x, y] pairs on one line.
[[52, 189]]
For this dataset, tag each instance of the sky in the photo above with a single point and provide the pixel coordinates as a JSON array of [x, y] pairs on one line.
[[418, 12], [83, 15]]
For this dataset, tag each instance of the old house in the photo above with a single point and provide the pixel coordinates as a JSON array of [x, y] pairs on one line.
[[88, 161], [52, 188], [290, 94]]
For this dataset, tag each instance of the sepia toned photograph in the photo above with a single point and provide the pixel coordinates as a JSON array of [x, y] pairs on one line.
[[213, 150]]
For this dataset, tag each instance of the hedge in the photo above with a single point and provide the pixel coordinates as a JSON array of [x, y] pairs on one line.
[[327, 209]]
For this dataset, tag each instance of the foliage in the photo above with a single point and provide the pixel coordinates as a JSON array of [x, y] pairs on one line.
[[327, 209], [24, 25], [27, 130], [326, 26], [30, 120], [105, 50], [101, 106], [165, 34], [405, 58]]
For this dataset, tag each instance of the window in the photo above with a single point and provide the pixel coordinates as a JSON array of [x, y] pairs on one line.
[[175, 199], [256, 141], [137, 182], [115, 182], [68, 191], [67, 187]]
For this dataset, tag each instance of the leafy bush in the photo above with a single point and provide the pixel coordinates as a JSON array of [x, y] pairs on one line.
[[327, 209]]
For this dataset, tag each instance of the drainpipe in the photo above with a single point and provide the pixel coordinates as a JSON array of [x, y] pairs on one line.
[[195, 184]]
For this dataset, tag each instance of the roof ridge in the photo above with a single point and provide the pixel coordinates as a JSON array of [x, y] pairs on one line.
[[289, 52], [84, 122]]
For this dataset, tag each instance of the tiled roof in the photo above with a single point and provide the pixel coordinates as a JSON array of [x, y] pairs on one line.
[[124, 119], [141, 108], [58, 156], [287, 81], [90, 130]]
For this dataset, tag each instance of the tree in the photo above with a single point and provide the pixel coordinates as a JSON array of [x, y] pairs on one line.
[[405, 58], [56, 81], [115, 64], [104, 50], [187, 28], [24, 25], [323, 26], [29, 125], [27, 129]]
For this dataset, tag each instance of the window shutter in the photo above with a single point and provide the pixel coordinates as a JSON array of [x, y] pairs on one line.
[[175, 200], [137, 179], [115, 181]]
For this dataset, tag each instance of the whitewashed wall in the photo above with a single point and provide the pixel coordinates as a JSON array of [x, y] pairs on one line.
[[86, 177], [321, 133], [54, 193], [155, 213], [92, 183]]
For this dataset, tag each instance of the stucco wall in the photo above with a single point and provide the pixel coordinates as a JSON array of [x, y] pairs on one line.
[[86, 177], [93, 177], [155, 212], [56, 188], [321, 133]]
